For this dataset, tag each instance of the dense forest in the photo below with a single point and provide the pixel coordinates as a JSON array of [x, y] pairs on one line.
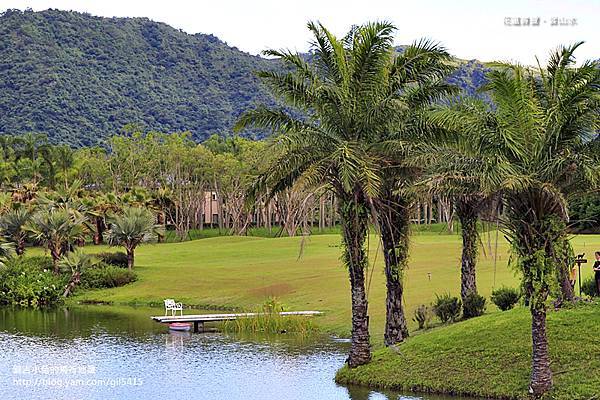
[[80, 79]]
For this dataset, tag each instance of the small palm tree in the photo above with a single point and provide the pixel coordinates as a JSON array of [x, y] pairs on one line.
[[12, 227], [56, 229], [7, 250], [75, 262], [133, 227]]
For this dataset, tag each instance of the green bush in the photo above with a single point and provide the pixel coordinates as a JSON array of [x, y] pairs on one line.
[[589, 287], [118, 259], [447, 308], [422, 316], [505, 298], [106, 276], [473, 306], [30, 282]]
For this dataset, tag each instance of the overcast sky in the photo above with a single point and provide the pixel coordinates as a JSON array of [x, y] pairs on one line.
[[479, 29]]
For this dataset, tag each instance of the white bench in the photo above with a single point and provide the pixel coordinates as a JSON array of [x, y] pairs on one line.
[[170, 305]]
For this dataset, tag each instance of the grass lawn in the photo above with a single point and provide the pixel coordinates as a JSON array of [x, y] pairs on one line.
[[491, 356], [242, 272]]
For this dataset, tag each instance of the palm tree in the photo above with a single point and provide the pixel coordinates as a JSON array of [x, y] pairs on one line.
[[133, 227], [343, 105], [449, 175], [75, 262], [12, 227], [57, 229], [416, 78], [533, 147], [7, 250]]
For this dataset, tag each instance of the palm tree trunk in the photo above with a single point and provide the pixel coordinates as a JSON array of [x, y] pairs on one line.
[[20, 248], [130, 258], [541, 375], [466, 209], [394, 220], [99, 229], [73, 282], [354, 215], [567, 292], [540, 241]]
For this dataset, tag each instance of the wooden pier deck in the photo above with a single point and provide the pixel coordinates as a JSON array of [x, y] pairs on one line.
[[199, 319]]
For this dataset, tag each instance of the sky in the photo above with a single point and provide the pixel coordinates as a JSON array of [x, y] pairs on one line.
[[501, 30]]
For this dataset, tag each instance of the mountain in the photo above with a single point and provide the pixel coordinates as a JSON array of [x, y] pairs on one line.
[[80, 78]]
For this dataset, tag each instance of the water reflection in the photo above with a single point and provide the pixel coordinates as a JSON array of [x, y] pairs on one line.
[[122, 354]]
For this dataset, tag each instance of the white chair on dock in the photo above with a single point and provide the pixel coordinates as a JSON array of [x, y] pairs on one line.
[[170, 305]]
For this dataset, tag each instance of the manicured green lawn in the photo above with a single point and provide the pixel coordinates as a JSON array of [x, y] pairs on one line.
[[242, 272], [490, 356]]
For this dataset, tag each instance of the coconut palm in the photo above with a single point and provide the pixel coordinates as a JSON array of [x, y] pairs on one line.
[[12, 227], [56, 229], [343, 105], [533, 147], [131, 228]]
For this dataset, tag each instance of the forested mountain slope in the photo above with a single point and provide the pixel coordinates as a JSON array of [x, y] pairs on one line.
[[80, 78]]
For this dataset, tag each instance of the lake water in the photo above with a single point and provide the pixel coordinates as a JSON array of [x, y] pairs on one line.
[[118, 353]]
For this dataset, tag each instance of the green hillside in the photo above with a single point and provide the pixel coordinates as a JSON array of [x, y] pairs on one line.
[[80, 78]]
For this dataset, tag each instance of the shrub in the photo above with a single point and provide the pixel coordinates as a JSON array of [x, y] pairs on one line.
[[473, 306], [505, 298], [589, 287], [447, 308], [106, 276], [118, 259], [30, 282], [422, 316]]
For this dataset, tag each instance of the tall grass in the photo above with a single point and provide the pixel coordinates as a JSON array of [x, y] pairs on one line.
[[269, 321]]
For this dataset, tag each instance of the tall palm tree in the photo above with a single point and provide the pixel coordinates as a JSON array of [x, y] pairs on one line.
[[533, 147], [449, 175], [12, 227], [58, 230], [133, 227], [416, 78], [342, 105]]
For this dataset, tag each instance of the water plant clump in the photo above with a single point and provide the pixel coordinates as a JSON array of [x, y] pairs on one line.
[[269, 320]]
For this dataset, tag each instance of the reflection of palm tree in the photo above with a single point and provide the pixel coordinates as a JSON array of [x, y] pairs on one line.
[[363, 393]]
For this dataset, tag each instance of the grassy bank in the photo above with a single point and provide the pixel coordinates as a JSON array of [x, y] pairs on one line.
[[490, 356], [242, 272]]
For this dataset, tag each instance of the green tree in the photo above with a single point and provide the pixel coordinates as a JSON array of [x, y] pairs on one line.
[[74, 262], [12, 226], [534, 147], [343, 105], [56, 229], [130, 229], [416, 78]]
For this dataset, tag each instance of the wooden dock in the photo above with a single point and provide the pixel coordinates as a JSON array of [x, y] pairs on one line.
[[199, 320]]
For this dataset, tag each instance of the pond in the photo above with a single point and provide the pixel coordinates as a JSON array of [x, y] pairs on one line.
[[102, 352]]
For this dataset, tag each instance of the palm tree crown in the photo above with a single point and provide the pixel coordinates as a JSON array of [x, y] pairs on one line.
[[133, 227]]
